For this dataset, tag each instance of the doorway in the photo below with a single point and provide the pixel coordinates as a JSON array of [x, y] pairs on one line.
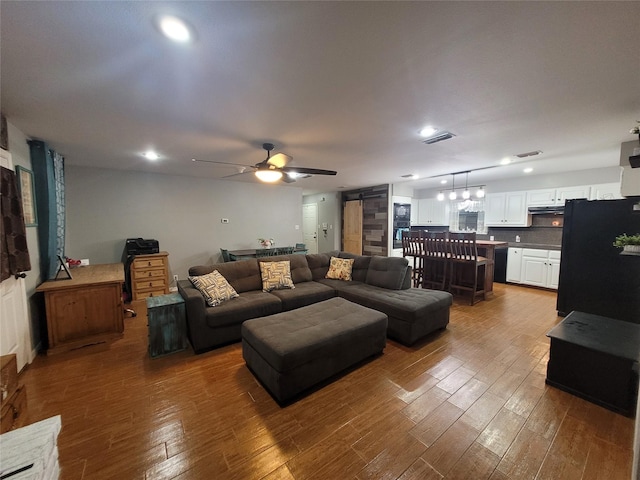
[[310, 226], [352, 228], [14, 321]]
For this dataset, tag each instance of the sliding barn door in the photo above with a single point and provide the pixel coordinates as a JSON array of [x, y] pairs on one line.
[[352, 228]]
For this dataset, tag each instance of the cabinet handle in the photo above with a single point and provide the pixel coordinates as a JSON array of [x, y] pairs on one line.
[[149, 263], [150, 284]]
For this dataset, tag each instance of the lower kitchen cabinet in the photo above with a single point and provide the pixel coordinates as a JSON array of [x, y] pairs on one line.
[[531, 266]]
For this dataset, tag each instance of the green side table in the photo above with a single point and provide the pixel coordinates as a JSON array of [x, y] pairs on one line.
[[167, 324]]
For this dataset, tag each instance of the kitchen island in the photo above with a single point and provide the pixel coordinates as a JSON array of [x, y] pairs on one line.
[[487, 249]]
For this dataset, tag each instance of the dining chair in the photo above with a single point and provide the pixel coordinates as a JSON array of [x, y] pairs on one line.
[[412, 247], [467, 268], [435, 263], [225, 255]]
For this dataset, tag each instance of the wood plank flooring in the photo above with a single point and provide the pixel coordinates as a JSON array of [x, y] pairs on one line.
[[467, 403]]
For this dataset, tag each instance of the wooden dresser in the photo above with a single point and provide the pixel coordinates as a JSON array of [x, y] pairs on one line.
[[149, 275], [14, 395], [86, 309]]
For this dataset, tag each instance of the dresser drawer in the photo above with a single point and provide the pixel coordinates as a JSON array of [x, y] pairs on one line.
[[150, 283], [140, 263], [142, 294], [14, 410], [8, 376], [148, 273]]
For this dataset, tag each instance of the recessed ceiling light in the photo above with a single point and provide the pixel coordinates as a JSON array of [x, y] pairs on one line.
[[443, 181], [505, 161], [428, 131], [174, 28], [150, 155], [528, 170]]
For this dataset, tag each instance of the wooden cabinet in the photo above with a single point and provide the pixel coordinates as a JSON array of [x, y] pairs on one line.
[[556, 196], [13, 405], [149, 275], [506, 210], [433, 212], [86, 309]]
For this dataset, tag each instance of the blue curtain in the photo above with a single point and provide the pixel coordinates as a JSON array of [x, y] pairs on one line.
[[48, 173]]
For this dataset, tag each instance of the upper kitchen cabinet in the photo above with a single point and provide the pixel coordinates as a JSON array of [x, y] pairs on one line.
[[507, 209], [433, 212], [556, 196], [605, 191], [415, 208]]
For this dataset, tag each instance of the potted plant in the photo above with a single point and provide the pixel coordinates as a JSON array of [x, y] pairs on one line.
[[628, 243]]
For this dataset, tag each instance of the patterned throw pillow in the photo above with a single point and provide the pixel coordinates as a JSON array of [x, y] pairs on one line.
[[276, 275], [214, 287], [340, 268]]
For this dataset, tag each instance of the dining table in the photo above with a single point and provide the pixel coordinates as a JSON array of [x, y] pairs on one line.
[[247, 253]]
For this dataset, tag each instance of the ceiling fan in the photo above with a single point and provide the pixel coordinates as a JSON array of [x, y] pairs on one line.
[[274, 168]]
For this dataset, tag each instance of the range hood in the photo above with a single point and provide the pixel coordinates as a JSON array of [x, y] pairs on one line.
[[557, 210]]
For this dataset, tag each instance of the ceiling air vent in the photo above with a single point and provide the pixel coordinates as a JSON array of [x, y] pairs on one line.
[[529, 154], [438, 137]]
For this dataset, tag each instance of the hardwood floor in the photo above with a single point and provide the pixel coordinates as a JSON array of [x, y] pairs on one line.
[[467, 403]]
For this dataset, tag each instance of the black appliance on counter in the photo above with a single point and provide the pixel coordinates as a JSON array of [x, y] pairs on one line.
[[594, 277], [401, 222], [133, 247]]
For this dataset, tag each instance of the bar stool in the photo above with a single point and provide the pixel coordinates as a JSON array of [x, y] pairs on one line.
[[435, 260], [467, 268], [412, 247]]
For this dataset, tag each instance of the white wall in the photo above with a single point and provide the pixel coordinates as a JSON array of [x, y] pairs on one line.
[[105, 207]]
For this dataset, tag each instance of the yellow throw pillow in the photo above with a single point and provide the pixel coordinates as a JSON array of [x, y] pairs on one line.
[[276, 275], [214, 288], [340, 268]]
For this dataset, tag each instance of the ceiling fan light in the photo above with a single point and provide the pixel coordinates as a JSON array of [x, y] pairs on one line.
[[268, 175]]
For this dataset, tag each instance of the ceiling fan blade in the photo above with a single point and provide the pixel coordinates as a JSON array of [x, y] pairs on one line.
[[309, 171], [279, 160], [222, 163]]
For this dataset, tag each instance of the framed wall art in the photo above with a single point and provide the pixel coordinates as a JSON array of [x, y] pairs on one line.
[[27, 192]]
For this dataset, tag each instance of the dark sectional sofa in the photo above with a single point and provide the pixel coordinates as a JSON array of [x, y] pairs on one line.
[[380, 283]]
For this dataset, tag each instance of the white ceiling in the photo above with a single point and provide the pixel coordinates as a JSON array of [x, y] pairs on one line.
[[336, 85]]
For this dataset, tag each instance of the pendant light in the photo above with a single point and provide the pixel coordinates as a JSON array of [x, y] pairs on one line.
[[466, 194], [452, 195], [480, 192]]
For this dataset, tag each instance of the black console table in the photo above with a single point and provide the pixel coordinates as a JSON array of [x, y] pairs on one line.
[[596, 358]]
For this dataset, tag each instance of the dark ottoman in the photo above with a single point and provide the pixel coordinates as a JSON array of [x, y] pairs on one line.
[[292, 351]]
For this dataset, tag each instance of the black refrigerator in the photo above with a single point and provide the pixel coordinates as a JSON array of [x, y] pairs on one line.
[[594, 277]]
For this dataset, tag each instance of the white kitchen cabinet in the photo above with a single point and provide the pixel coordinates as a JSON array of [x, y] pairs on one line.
[[514, 265], [540, 268], [415, 208], [605, 191], [506, 210], [433, 212], [556, 196], [553, 270]]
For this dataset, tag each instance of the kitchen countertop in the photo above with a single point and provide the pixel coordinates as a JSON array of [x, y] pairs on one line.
[[540, 246]]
